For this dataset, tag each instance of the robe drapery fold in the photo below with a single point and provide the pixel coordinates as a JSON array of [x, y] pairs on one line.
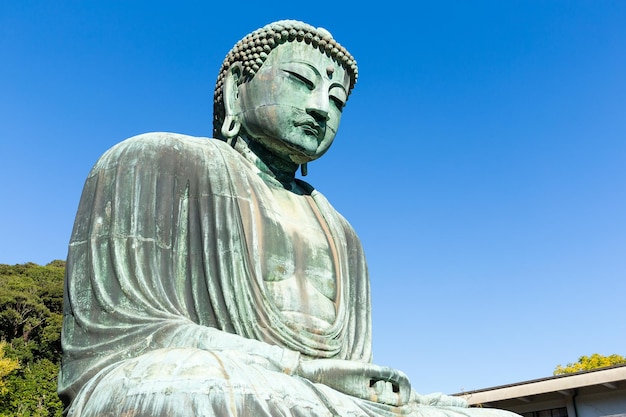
[[165, 254], [167, 311]]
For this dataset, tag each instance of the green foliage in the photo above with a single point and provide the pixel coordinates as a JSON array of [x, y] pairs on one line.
[[586, 363], [36, 391], [31, 313], [7, 366]]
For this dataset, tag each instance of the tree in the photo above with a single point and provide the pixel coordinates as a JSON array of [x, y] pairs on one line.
[[586, 363], [31, 312], [35, 391], [7, 365]]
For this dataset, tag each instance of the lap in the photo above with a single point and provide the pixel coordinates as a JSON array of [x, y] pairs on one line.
[[195, 382]]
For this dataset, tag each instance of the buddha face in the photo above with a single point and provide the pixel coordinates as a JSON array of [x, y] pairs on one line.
[[293, 104]]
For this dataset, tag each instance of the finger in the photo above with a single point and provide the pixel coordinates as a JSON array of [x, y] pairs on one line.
[[405, 393], [386, 393], [398, 389], [391, 375]]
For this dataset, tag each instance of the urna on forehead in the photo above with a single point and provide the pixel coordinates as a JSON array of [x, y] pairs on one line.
[[253, 49]]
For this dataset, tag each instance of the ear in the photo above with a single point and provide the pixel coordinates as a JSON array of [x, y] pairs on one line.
[[230, 96], [230, 92]]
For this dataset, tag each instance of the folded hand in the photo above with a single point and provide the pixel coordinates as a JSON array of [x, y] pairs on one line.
[[363, 380]]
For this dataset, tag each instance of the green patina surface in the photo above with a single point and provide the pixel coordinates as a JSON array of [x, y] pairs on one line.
[[204, 279]]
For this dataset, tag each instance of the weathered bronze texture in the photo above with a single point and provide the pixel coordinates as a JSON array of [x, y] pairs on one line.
[[204, 279]]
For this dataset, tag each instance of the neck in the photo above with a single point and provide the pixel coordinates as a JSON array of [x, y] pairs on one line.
[[271, 166]]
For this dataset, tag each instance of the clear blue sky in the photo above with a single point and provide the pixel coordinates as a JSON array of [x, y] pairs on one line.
[[481, 157]]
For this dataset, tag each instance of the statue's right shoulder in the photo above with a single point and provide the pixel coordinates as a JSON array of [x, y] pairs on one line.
[[157, 148]]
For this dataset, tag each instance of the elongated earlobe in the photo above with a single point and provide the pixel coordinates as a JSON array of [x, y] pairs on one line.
[[230, 128], [231, 125]]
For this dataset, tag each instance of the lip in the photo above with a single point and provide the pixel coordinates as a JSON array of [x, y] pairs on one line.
[[310, 127]]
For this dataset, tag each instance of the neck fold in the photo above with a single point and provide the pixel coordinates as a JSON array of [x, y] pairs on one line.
[[272, 167]]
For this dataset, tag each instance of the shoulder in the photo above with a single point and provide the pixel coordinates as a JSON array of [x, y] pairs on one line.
[[157, 143], [159, 149]]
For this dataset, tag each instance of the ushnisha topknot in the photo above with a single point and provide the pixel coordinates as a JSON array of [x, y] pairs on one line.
[[252, 51]]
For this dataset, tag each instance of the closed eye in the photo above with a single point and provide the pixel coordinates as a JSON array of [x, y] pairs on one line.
[[338, 95], [301, 78], [338, 102]]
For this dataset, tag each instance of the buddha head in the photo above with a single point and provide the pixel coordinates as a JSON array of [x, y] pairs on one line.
[[284, 87]]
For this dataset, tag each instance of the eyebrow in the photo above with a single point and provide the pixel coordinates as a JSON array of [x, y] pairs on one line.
[[338, 84], [303, 63], [311, 66]]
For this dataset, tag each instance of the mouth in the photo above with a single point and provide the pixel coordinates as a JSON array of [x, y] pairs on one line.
[[310, 128]]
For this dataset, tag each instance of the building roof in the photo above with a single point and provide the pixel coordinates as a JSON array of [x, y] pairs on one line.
[[601, 379]]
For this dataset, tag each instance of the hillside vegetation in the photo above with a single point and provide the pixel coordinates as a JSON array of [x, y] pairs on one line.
[[31, 312]]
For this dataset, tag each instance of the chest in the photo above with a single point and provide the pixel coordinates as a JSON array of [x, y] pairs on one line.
[[298, 258]]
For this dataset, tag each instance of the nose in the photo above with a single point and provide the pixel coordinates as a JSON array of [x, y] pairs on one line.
[[318, 105]]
